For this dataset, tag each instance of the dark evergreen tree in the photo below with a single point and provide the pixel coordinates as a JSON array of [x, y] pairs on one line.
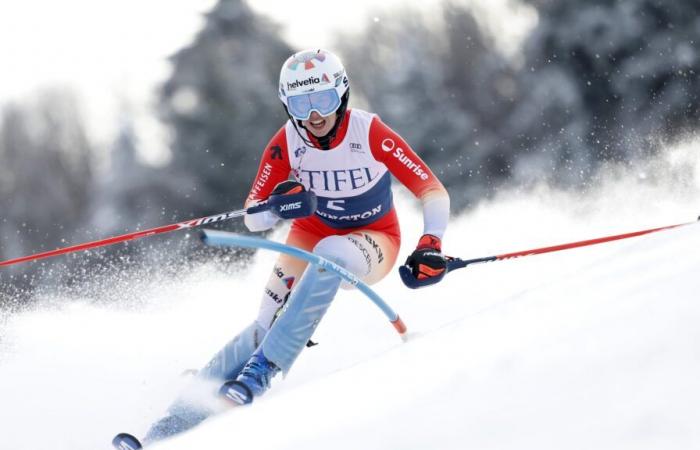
[[46, 177], [221, 102], [605, 80]]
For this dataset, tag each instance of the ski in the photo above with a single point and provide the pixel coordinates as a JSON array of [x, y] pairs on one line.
[[234, 392], [125, 441]]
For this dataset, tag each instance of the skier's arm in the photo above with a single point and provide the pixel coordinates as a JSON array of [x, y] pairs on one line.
[[392, 150], [274, 168]]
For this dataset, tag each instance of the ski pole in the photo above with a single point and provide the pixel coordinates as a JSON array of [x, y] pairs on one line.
[[140, 234], [456, 263]]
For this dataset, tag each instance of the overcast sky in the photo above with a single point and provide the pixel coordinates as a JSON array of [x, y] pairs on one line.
[[114, 53]]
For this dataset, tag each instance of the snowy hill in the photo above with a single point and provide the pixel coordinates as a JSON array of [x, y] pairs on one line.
[[603, 356], [590, 348]]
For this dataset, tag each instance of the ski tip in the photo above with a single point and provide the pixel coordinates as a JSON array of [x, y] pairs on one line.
[[236, 393], [125, 441]]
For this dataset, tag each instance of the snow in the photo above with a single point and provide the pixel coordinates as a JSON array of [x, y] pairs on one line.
[[589, 348]]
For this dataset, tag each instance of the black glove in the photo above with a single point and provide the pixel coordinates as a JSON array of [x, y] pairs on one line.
[[427, 260], [290, 200]]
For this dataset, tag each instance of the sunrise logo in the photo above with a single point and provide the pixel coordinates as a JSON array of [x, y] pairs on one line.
[[307, 60]]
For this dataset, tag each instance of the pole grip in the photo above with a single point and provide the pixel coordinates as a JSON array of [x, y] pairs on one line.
[[260, 207]]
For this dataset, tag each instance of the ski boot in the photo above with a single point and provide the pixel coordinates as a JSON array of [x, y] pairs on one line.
[[253, 380]]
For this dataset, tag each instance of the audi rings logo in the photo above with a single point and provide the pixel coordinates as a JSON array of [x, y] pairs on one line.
[[388, 145]]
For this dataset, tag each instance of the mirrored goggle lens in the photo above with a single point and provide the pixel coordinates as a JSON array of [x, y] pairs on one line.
[[323, 102], [299, 106]]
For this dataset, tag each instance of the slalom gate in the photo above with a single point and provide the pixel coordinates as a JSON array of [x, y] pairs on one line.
[[227, 239]]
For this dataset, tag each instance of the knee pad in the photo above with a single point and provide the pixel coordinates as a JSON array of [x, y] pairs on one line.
[[346, 251]]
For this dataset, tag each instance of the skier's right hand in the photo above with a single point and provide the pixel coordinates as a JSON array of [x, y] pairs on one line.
[[290, 200]]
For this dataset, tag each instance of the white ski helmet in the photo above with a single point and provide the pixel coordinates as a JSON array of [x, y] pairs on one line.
[[313, 80]]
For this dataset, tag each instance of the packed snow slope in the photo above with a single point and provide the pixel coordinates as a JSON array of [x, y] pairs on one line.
[[596, 347]]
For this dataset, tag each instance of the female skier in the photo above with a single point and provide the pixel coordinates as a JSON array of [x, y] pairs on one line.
[[342, 160]]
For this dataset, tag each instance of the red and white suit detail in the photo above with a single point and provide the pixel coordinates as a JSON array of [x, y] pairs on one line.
[[356, 217]]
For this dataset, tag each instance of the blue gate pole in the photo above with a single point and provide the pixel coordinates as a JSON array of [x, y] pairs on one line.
[[223, 238]]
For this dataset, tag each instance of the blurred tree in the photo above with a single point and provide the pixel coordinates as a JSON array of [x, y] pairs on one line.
[[438, 81], [46, 175], [604, 81], [132, 194], [601, 81], [221, 102]]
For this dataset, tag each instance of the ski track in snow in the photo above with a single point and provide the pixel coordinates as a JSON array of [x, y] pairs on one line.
[[589, 348]]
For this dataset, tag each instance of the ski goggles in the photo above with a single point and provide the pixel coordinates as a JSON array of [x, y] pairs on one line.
[[323, 102]]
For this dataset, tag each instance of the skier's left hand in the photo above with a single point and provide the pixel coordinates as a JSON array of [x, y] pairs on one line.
[[427, 261]]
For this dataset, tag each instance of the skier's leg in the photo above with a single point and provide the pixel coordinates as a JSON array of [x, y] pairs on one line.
[[198, 399], [370, 255]]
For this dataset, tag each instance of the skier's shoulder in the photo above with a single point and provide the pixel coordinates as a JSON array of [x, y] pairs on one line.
[[279, 139]]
